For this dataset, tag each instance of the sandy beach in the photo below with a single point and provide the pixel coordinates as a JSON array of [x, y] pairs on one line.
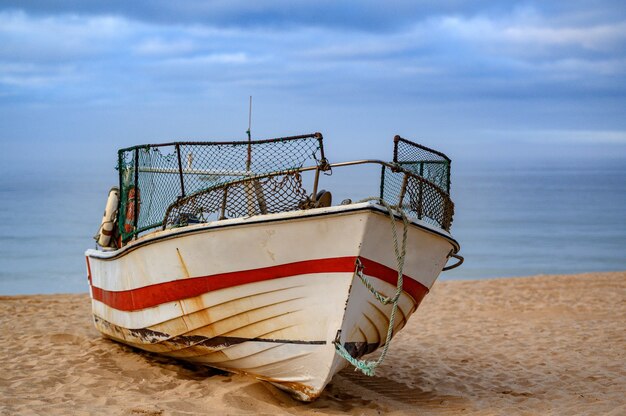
[[536, 345]]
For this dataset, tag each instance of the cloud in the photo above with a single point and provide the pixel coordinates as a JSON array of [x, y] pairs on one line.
[[481, 63], [157, 46], [29, 76], [563, 136], [595, 38], [364, 16], [459, 55], [528, 33]]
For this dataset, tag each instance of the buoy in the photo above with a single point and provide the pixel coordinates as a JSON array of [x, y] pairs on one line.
[[129, 220], [109, 219]]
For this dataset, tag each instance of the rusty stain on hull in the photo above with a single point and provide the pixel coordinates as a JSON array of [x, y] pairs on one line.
[[182, 263], [298, 391]]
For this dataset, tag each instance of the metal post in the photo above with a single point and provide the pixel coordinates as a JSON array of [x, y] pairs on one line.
[[249, 159], [382, 182], [247, 185], [420, 193], [180, 172], [136, 219], [315, 184], [258, 189], [323, 161], [223, 208], [120, 220], [448, 177], [396, 139]]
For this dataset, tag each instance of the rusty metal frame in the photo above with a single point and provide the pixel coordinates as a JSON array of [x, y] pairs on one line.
[[398, 139], [232, 142], [252, 179]]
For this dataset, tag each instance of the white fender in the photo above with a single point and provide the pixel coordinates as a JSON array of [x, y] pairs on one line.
[[109, 220]]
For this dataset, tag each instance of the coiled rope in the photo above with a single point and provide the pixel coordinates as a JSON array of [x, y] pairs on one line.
[[369, 367]]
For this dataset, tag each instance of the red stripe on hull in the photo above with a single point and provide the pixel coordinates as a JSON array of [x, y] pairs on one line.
[[153, 295]]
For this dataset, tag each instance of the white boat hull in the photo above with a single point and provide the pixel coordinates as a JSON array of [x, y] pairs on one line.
[[266, 295]]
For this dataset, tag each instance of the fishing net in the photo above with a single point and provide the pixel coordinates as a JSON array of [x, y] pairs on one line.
[[264, 195], [186, 180], [177, 184], [419, 183], [418, 197], [422, 161]]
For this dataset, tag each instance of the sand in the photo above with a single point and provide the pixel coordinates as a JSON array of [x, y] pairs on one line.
[[519, 346]]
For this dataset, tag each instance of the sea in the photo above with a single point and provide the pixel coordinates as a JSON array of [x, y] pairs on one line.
[[517, 219]]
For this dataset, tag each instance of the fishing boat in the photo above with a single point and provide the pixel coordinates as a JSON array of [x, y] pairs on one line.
[[216, 253]]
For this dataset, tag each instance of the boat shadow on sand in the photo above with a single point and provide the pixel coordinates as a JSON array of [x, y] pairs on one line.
[[349, 391]]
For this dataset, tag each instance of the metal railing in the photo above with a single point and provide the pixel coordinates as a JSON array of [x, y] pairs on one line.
[[417, 196]]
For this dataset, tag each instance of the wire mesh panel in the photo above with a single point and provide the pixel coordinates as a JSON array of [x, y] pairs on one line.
[[262, 195], [157, 187], [418, 197], [155, 177], [423, 161]]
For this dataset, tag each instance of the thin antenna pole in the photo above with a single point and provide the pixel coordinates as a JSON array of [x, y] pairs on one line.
[[249, 186], [250, 119], [249, 161]]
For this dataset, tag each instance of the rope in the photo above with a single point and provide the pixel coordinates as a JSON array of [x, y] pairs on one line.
[[369, 367]]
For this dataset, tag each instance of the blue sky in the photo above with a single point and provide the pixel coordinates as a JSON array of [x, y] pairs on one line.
[[486, 79]]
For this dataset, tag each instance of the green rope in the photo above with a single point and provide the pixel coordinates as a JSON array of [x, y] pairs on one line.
[[369, 367]]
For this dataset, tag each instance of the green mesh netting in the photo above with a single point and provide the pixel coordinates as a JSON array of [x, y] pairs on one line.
[[154, 178], [418, 197], [175, 184], [427, 163]]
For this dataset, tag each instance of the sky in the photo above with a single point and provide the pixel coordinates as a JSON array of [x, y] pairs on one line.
[[481, 80]]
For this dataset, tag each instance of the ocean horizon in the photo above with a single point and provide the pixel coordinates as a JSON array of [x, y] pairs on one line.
[[517, 219]]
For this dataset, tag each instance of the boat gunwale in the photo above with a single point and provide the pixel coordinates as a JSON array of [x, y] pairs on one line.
[[171, 233]]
